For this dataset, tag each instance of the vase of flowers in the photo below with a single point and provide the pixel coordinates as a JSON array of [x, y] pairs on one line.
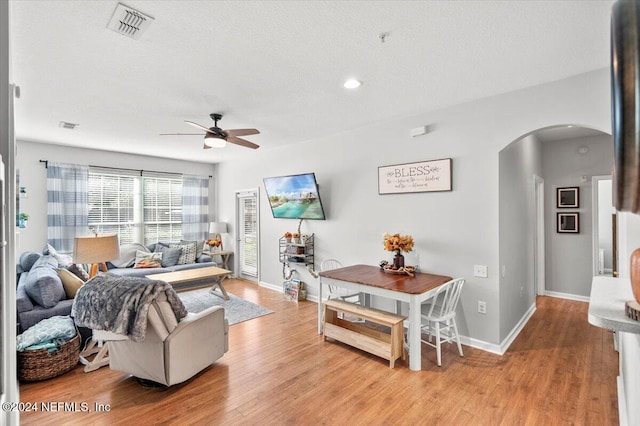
[[398, 243], [287, 236], [215, 244], [296, 238]]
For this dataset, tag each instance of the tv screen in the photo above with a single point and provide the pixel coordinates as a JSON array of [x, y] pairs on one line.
[[294, 197]]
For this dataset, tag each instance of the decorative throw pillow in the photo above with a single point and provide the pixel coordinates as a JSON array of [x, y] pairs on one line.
[[63, 259], [128, 255], [70, 282], [78, 271], [199, 246], [43, 284], [27, 260], [170, 256], [188, 254], [148, 260]]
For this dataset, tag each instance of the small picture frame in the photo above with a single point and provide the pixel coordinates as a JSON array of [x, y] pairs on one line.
[[568, 197], [568, 223]]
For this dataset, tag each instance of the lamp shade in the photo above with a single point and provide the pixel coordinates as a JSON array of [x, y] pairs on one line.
[[96, 248], [218, 228]]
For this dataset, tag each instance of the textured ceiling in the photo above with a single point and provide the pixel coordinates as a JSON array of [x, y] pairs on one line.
[[279, 66]]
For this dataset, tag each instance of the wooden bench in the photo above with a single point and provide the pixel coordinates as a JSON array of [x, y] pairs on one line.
[[385, 345]]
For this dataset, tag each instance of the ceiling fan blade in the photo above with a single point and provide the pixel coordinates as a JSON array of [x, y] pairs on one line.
[[199, 126], [242, 142], [180, 134], [242, 132], [205, 146]]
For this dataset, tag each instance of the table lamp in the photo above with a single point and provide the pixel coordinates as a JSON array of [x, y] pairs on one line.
[[218, 228], [96, 249]]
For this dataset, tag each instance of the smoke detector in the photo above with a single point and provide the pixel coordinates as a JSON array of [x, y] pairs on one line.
[[129, 22]]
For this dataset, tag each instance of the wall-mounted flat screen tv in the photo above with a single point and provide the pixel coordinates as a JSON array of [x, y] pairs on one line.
[[294, 197]]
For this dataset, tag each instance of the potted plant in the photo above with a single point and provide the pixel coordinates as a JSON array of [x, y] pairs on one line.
[[287, 236], [22, 220], [296, 237]]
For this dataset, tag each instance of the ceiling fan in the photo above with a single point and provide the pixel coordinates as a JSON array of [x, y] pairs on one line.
[[215, 137]]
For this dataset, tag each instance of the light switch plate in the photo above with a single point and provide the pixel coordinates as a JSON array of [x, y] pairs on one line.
[[480, 271]]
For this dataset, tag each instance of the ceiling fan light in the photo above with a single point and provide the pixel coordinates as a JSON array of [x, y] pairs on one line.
[[213, 141]]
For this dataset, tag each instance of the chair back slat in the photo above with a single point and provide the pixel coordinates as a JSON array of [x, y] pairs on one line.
[[445, 300], [328, 265]]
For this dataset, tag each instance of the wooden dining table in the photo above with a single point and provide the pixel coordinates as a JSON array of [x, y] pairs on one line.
[[373, 280]]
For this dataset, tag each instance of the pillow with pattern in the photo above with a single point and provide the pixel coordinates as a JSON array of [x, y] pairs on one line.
[[148, 260], [188, 253]]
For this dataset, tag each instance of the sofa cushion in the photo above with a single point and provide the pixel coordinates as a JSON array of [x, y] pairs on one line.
[[145, 259], [137, 272], [188, 253], [27, 259], [199, 246], [23, 302], [38, 313], [191, 266], [170, 255], [43, 284], [70, 282], [127, 255]]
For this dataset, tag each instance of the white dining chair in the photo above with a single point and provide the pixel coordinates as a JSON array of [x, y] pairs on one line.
[[336, 292], [438, 317]]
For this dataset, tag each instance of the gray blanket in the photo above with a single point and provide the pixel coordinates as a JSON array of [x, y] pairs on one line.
[[120, 304]]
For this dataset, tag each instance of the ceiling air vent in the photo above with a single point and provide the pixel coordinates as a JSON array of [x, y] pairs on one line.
[[67, 125], [129, 22]]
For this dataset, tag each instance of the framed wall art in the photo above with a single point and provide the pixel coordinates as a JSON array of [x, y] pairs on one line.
[[568, 223], [424, 176], [568, 197]]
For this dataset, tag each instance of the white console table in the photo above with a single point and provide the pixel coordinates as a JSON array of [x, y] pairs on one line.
[[606, 310]]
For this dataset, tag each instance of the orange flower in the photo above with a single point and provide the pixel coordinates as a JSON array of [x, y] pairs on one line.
[[397, 242]]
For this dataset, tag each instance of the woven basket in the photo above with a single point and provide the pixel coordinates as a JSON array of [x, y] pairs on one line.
[[42, 364]]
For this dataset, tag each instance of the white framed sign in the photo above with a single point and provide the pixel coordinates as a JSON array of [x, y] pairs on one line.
[[425, 176]]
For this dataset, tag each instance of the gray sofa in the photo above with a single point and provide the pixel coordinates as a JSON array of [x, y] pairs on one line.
[[124, 266], [31, 310], [40, 293]]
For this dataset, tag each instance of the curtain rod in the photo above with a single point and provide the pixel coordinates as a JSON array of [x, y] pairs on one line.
[[46, 165]]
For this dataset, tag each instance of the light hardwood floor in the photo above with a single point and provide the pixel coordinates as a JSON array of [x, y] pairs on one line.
[[278, 371]]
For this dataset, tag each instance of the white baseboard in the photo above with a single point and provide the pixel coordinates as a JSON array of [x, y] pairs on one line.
[[481, 344], [517, 329], [568, 296], [271, 286]]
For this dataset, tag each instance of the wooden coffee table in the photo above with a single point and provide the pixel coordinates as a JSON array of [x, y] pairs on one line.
[[217, 275]]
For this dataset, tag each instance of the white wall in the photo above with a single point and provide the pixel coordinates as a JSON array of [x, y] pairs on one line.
[[569, 257], [453, 230], [518, 163], [33, 176]]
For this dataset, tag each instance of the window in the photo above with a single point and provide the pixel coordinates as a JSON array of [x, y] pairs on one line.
[[144, 209], [162, 204]]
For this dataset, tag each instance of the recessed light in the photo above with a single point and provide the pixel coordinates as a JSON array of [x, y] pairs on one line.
[[352, 83]]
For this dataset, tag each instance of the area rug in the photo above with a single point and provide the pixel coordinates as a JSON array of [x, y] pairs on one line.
[[235, 310]]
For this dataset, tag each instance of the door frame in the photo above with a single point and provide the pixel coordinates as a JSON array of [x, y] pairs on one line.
[[538, 237], [243, 193]]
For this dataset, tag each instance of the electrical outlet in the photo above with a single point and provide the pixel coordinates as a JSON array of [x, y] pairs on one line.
[[482, 307], [480, 271]]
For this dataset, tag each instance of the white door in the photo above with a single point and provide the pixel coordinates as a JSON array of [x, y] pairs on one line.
[[248, 243]]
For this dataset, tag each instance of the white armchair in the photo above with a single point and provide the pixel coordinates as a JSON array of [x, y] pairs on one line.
[[172, 352]]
